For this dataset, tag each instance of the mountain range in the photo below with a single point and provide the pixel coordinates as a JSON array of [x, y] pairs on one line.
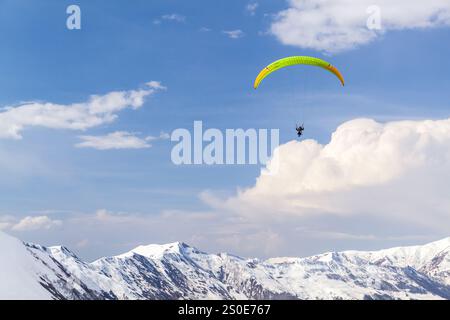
[[179, 271]]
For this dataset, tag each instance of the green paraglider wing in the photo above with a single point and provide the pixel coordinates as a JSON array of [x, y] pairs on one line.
[[297, 60]]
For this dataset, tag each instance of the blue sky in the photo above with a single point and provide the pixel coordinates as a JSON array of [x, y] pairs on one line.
[[402, 74]]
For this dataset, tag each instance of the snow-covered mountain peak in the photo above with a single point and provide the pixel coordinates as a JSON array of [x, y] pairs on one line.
[[62, 251], [413, 256], [178, 271], [157, 251]]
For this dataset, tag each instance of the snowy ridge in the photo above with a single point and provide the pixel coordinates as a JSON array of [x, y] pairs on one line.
[[155, 250], [178, 271], [18, 272]]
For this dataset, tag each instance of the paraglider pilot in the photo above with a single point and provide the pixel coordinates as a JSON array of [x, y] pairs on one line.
[[299, 130]]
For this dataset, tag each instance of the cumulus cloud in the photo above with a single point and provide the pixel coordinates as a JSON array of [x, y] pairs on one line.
[[336, 25], [234, 34], [373, 185], [31, 223], [398, 170], [99, 109]]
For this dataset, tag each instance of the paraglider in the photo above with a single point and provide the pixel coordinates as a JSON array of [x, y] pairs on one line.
[[297, 60], [299, 130], [293, 61]]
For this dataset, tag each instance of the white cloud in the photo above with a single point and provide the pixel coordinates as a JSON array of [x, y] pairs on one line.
[[114, 140], [156, 85], [4, 225], [6, 222], [110, 232], [251, 8], [264, 241], [397, 170], [30, 223], [162, 136], [99, 109], [105, 216], [373, 185], [217, 231], [174, 17], [119, 140], [336, 25], [234, 34]]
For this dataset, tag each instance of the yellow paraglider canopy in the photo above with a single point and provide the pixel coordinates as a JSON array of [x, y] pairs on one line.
[[297, 60]]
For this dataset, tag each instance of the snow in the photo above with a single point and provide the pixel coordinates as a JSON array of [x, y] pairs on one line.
[[154, 250], [177, 271], [283, 260], [18, 278], [414, 256]]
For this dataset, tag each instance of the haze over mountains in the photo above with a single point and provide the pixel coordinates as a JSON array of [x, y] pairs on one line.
[[178, 271]]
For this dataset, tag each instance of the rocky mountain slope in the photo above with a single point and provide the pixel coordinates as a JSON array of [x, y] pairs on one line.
[[178, 271]]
